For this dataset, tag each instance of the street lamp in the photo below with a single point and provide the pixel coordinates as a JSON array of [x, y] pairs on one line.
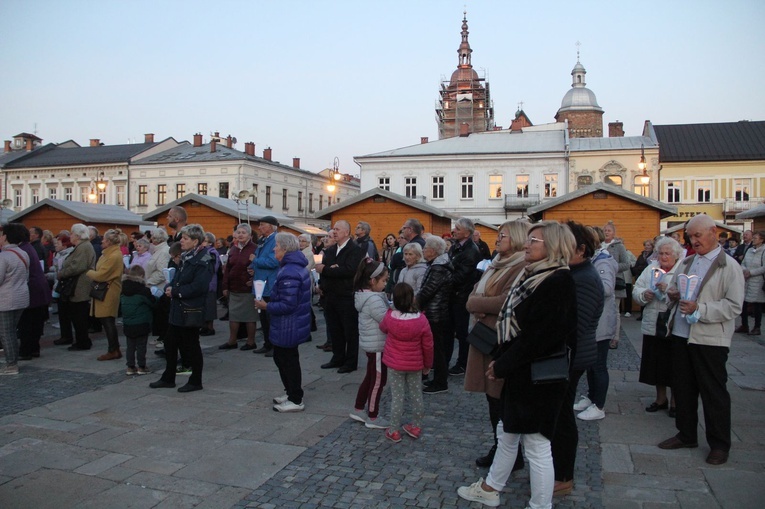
[[645, 179], [334, 175]]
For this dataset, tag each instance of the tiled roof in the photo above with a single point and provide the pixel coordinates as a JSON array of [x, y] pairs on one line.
[[611, 143], [7, 158], [417, 204], [87, 212], [103, 154], [728, 141], [225, 205]]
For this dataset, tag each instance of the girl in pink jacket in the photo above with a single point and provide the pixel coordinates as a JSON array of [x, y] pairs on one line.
[[408, 354]]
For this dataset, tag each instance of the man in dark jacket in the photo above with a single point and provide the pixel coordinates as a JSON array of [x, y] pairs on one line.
[[339, 267], [746, 243], [35, 240], [483, 247], [364, 241], [465, 257], [413, 231]]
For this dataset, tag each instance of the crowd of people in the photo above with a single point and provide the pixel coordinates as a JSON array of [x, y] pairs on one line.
[[547, 298]]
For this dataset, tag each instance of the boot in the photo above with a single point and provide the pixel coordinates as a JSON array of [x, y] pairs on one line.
[[742, 329], [755, 332], [111, 356], [485, 461]]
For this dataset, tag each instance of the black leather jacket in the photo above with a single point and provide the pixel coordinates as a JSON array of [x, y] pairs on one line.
[[436, 288], [465, 258]]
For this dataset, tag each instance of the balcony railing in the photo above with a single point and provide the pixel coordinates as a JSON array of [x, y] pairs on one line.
[[732, 206], [515, 202]]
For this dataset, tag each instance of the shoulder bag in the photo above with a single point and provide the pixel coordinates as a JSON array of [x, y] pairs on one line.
[[483, 337], [98, 290], [552, 368], [66, 287]]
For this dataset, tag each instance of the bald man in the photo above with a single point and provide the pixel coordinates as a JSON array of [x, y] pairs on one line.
[[702, 327]]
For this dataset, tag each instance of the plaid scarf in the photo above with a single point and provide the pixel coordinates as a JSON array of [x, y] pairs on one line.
[[528, 280]]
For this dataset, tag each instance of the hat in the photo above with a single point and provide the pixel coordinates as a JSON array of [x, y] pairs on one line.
[[270, 220]]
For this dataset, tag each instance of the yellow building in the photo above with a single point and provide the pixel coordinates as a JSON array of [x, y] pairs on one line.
[[714, 169]]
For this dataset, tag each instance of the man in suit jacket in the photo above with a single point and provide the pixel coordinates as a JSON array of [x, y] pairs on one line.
[[746, 243], [337, 270]]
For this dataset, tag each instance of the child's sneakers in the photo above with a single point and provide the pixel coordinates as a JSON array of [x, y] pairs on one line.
[[412, 430], [131, 371], [376, 423], [143, 371], [393, 436], [358, 415]]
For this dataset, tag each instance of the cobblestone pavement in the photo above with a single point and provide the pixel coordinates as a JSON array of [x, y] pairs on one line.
[[358, 467]]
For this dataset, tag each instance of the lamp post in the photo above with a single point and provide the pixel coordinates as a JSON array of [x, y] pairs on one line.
[[334, 175], [645, 179], [97, 188]]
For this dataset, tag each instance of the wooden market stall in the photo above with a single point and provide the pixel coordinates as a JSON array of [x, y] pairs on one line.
[[57, 215]]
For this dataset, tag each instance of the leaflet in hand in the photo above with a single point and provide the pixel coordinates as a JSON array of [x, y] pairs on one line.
[[169, 274], [657, 276], [258, 286]]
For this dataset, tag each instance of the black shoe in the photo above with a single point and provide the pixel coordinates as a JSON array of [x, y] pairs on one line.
[[25, 357], [262, 349], [485, 461], [321, 347], [189, 388], [456, 370], [269, 353], [246, 347], [160, 352], [77, 348], [161, 384], [672, 412], [227, 346], [655, 407], [207, 332], [63, 341], [330, 365], [346, 369], [427, 383], [435, 389], [225, 318]]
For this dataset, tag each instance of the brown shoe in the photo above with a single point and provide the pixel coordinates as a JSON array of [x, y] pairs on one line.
[[110, 356], [742, 329], [676, 443], [563, 488], [754, 332], [717, 457]]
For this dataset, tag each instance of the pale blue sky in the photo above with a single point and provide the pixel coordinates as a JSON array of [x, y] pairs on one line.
[[319, 79]]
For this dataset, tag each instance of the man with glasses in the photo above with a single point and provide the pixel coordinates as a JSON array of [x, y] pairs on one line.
[[412, 231]]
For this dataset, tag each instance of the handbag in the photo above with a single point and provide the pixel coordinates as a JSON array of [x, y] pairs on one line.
[[98, 290], [66, 287], [483, 337], [662, 320], [552, 368], [193, 316], [620, 284]]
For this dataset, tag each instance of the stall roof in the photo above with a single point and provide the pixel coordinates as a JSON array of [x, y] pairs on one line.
[[385, 194], [225, 205], [88, 212]]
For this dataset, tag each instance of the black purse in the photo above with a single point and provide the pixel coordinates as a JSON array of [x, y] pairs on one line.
[[66, 287], [483, 337], [193, 316], [98, 290], [551, 369]]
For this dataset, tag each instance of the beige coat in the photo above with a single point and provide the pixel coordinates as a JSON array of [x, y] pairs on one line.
[[488, 304], [109, 268]]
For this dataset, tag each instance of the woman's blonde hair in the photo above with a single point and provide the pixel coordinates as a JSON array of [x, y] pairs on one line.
[[559, 241], [113, 236], [517, 231]]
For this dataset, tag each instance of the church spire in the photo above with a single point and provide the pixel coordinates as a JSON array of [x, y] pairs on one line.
[[464, 51]]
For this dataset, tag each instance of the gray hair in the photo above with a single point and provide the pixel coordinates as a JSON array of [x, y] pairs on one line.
[[413, 246], [93, 231], [677, 249], [306, 237], [158, 235], [210, 238], [435, 243], [194, 232], [465, 224], [244, 226], [287, 241], [142, 242], [80, 231], [365, 226], [415, 225]]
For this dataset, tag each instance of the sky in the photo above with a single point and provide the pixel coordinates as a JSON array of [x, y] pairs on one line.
[[325, 79]]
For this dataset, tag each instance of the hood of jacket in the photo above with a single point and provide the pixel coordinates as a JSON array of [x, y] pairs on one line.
[[295, 257]]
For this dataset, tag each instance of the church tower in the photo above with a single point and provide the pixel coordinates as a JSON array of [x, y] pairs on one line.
[[464, 104], [580, 107]]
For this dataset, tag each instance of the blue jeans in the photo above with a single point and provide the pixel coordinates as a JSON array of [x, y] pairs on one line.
[[597, 376]]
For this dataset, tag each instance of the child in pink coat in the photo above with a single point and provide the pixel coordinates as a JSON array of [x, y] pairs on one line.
[[408, 354]]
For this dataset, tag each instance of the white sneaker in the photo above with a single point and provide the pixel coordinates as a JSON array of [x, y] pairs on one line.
[[377, 423], [358, 415], [9, 370], [627, 314], [289, 406], [281, 399], [583, 404], [475, 493], [593, 413]]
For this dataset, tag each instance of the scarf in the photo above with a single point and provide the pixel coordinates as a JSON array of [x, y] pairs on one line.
[[496, 269], [526, 283]]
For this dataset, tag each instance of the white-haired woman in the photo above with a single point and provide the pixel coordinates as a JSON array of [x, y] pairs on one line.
[[650, 291], [538, 319], [73, 308], [141, 254], [616, 248], [109, 270], [415, 268]]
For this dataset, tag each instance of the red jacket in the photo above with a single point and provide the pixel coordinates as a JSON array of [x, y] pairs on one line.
[[235, 276], [409, 344]]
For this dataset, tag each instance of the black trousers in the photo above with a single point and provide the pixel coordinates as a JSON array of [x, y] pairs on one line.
[[30, 329], [343, 327], [287, 360], [75, 314], [112, 336], [699, 370], [566, 438], [461, 321], [185, 339], [265, 323], [443, 345]]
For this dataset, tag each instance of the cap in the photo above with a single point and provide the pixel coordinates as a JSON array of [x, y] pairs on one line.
[[270, 220]]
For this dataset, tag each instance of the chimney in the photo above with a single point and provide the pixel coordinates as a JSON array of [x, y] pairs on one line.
[[267, 154], [464, 129], [296, 162], [213, 146], [198, 140], [94, 142], [148, 138], [228, 141], [217, 134], [29, 144], [423, 140], [615, 129], [249, 148], [7, 147]]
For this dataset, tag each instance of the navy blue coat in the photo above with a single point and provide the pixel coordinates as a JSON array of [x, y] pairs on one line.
[[290, 306], [190, 285]]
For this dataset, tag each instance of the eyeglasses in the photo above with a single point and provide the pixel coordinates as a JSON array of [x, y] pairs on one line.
[[502, 236], [531, 240]]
